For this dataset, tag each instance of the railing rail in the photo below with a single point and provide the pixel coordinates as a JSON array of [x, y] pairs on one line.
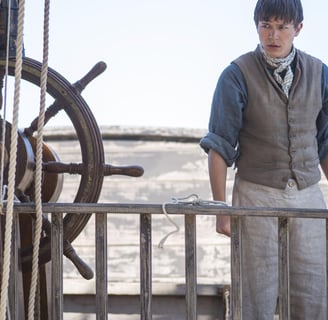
[[146, 211]]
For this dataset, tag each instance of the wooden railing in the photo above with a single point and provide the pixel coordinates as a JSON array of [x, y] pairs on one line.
[[146, 211]]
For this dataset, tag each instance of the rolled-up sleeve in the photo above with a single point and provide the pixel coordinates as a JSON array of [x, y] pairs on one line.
[[229, 101], [322, 121]]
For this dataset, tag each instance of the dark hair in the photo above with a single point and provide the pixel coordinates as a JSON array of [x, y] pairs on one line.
[[287, 10]]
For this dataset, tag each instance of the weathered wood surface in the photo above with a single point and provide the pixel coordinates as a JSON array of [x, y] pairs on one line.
[[284, 292]]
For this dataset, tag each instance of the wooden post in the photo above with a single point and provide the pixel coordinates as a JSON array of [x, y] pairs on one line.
[[57, 266], [284, 292], [101, 267], [236, 273], [191, 266], [145, 267]]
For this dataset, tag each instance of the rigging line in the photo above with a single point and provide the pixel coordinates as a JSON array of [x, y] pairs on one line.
[[12, 164], [38, 170], [3, 131]]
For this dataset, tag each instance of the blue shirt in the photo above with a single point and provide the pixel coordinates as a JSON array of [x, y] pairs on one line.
[[226, 119]]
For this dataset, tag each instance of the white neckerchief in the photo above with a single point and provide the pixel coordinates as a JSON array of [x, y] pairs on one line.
[[281, 64]]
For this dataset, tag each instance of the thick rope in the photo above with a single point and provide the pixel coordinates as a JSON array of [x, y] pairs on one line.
[[192, 199], [4, 105], [38, 170], [12, 164]]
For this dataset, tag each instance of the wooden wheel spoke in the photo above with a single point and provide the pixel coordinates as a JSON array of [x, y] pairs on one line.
[[59, 105], [49, 113], [60, 167], [131, 171], [79, 168]]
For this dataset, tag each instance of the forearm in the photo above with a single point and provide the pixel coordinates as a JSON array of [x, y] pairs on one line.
[[218, 173], [218, 176]]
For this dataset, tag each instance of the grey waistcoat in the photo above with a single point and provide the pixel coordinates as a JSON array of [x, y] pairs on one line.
[[278, 137]]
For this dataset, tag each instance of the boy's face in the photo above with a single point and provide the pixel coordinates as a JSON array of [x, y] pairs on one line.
[[277, 36]]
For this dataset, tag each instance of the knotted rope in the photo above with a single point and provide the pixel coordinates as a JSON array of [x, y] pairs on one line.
[[192, 199]]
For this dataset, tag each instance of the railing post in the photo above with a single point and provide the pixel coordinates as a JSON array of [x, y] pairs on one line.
[[145, 267], [284, 293], [191, 266], [13, 300], [236, 273], [57, 266], [101, 266]]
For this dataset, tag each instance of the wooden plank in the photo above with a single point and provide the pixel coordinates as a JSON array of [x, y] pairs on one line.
[[57, 266], [145, 267], [172, 209], [191, 267], [15, 279], [236, 271], [101, 267], [284, 292]]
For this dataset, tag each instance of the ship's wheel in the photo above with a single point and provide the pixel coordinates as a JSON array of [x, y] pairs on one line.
[[91, 169]]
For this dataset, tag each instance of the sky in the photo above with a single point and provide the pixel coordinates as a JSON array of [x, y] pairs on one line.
[[163, 57]]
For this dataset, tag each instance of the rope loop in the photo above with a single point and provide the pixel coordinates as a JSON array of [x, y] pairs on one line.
[[192, 199]]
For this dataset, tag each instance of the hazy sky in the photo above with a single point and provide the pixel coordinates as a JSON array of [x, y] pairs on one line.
[[163, 56]]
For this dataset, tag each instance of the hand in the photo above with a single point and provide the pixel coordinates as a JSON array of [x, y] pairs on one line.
[[223, 225]]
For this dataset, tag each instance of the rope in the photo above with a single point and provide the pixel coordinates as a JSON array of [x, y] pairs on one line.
[[192, 199], [226, 295], [177, 228], [12, 164], [38, 170], [3, 131]]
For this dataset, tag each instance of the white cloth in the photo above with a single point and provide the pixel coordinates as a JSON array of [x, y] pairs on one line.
[[279, 65]]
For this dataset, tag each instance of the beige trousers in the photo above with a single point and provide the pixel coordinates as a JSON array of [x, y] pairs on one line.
[[260, 252]]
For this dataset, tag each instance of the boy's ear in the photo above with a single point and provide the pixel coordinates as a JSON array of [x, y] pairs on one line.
[[298, 29]]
